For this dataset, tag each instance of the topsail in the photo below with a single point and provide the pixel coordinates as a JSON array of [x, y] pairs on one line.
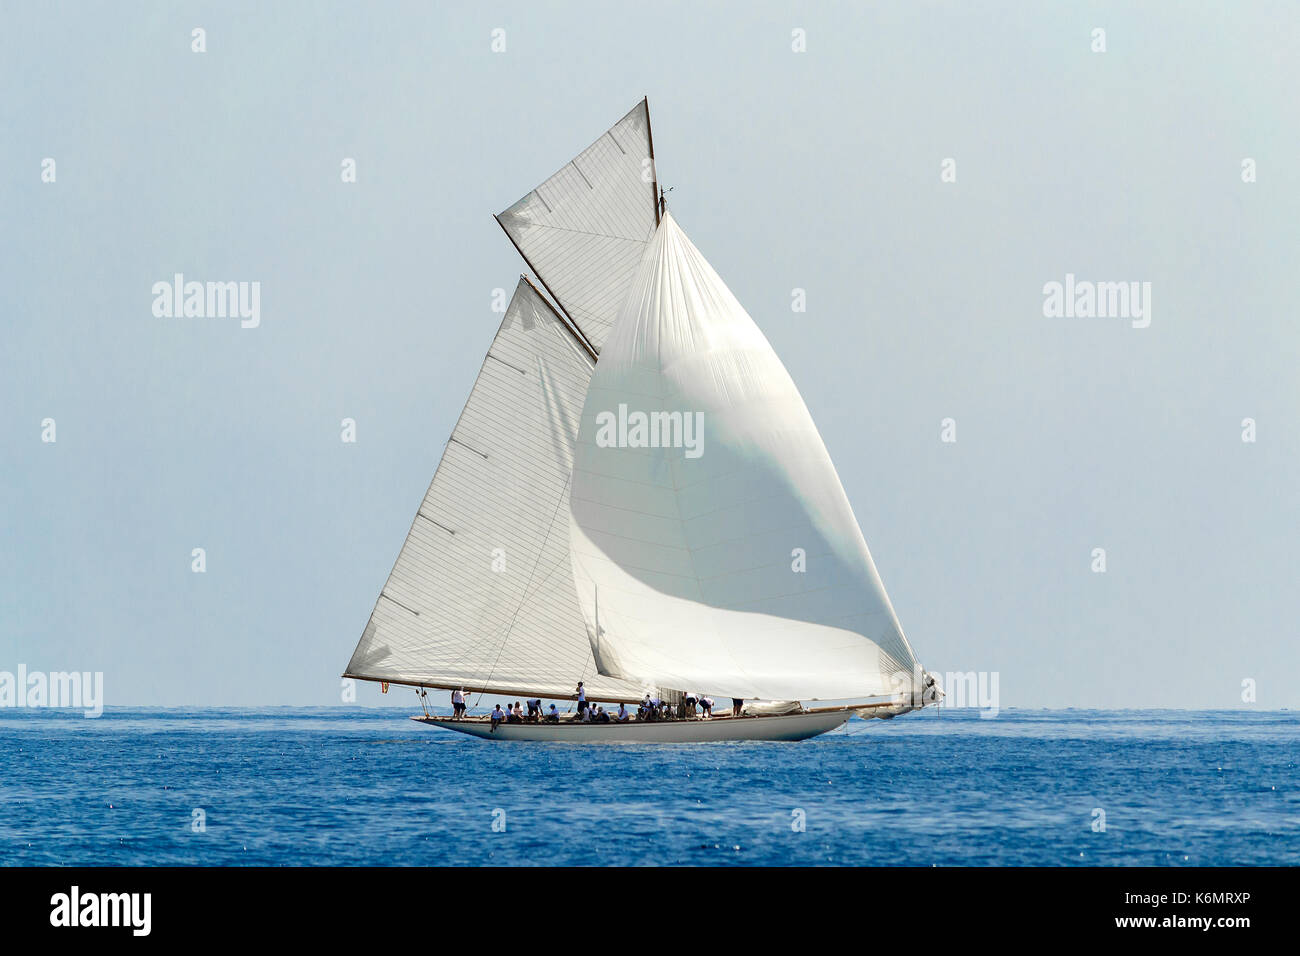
[[583, 231]]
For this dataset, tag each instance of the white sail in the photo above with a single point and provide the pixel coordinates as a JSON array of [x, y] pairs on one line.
[[583, 231], [696, 551], [482, 593]]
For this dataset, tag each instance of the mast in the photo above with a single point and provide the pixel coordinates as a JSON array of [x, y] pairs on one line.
[[654, 170]]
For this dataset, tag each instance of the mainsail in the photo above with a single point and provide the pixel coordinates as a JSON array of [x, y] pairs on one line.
[[482, 593], [583, 231], [735, 566]]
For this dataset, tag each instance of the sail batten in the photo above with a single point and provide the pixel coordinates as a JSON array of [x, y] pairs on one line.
[[482, 593]]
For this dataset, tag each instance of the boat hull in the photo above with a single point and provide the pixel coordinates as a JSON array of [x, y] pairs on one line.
[[787, 727]]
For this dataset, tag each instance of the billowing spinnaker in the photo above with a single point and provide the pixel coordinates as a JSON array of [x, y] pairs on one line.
[[724, 558], [481, 595]]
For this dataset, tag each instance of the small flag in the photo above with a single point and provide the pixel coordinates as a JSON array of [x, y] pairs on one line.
[[383, 687]]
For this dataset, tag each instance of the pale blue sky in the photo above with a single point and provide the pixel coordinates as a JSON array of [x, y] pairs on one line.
[[817, 170]]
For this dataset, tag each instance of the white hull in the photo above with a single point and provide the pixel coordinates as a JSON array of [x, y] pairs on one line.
[[787, 727]]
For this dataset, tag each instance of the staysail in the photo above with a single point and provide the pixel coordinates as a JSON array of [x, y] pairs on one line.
[[583, 231], [706, 512], [482, 593]]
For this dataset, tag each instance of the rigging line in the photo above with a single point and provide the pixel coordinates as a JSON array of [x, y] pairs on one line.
[[525, 597], [531, 575], [584, 232]]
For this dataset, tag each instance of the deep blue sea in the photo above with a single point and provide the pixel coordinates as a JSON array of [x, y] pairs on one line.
[[318, 786]]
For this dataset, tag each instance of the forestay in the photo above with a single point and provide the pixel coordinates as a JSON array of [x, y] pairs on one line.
[[735, 566], [482, 592]]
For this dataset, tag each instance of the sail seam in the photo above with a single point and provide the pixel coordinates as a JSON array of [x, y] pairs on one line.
[[587, 232]]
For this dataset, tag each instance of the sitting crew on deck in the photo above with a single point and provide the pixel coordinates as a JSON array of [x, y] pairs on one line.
[[602, 715], [498, 715], [706, 705], [622, 712], [554, 716], [516, 715]]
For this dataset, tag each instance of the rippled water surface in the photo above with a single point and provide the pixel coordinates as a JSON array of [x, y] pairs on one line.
[[337, 786]]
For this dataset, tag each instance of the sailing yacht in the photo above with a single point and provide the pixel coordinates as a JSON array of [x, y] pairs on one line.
[[636, 497]]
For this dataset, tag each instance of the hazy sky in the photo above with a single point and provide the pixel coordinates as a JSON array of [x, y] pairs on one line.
[[818, 170]]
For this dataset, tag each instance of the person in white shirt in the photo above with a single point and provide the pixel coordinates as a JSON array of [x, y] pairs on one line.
[[692, 699], [582, 699], [554, 716], [498, 715], [706, 705], [622, 712], [458, 704]]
